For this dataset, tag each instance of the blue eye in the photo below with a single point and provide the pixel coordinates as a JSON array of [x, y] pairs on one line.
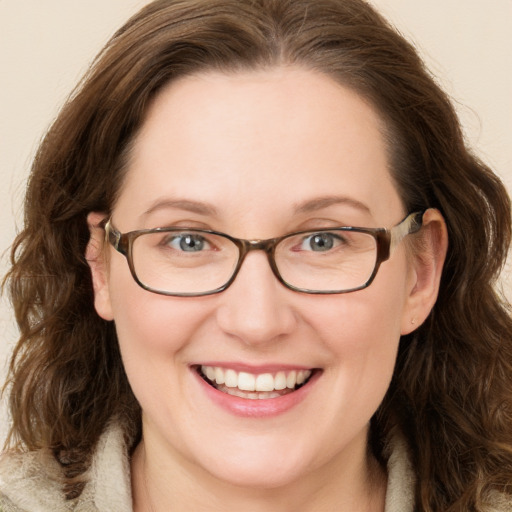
[[320, 242], [188, 242]]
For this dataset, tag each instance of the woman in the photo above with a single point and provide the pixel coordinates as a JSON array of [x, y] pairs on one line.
[[257, 273]]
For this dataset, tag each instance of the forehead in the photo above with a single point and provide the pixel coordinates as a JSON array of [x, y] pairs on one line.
[[254, 141]]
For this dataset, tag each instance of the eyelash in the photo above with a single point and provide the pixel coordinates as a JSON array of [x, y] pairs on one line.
[[336, 239], [169, 240]]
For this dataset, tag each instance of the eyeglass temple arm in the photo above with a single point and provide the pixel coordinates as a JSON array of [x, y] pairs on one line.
[[411, 224], [113, 237]]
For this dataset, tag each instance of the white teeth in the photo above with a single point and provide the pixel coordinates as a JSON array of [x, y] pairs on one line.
[[291, 379], [219, 376], [251, 396], [210, 373], [265, 382], [231, 379], [268, 394], [280, 381], [263, 385], [246, 382]]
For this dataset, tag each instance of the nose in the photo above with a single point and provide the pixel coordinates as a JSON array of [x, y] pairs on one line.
[[256, 308]]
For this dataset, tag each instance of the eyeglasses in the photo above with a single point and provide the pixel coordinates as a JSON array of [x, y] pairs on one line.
[[192, 262]]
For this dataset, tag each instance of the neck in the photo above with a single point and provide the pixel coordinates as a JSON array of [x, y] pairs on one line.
[[160, 485]]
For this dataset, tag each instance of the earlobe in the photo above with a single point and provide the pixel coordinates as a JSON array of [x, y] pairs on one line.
[[98, 264], [428, 256]]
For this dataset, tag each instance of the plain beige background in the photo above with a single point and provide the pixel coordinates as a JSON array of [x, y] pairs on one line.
[[46, 45]]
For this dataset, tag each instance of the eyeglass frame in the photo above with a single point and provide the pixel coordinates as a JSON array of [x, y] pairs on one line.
[[386, 240]]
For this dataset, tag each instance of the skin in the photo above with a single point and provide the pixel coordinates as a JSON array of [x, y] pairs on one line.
[[254, 147]]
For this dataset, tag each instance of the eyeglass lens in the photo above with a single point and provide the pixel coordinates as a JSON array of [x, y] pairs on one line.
[[194, 262]]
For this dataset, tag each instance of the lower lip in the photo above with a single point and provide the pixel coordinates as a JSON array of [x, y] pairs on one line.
[[257, 408]]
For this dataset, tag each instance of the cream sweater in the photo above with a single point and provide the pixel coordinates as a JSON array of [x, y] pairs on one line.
[[26, 483]]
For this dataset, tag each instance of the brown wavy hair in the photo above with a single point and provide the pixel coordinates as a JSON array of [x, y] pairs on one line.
[[451, 394]]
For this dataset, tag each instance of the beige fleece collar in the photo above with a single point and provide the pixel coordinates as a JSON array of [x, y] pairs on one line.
[[31, 484]]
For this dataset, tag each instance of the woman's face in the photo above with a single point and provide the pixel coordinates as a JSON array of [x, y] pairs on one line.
[[258, 155]]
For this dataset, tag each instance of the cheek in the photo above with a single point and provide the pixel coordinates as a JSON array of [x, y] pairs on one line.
[[362, 338], [361, 331], [149, 325], [368, 319], [154, 334]]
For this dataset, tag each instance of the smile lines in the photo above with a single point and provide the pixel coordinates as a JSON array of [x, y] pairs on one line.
[[248, 385]]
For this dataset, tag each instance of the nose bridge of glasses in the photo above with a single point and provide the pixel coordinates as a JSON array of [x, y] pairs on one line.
[[267, 246], [247, 246]]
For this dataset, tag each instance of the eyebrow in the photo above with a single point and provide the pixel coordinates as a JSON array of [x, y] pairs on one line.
[[320, 203], [198, 207], [202, 208]]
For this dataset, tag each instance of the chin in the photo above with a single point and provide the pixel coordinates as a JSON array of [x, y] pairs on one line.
[[263, 471], [267, 477]]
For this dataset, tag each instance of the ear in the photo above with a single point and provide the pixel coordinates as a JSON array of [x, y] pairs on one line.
[[427, 260], [98, 262]]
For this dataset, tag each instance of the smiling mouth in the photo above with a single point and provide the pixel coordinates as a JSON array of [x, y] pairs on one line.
[[255, 386]]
